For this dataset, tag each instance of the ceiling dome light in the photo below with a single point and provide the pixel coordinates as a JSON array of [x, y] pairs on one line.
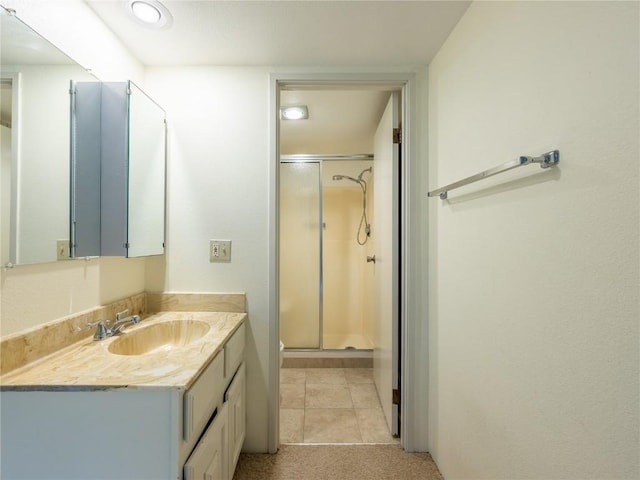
[[146, 12], [299, 112], [150, 13]]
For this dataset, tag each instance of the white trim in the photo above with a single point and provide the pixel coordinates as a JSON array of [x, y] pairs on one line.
[[273, 388], [413, 403], [414, 322], [16, 153]]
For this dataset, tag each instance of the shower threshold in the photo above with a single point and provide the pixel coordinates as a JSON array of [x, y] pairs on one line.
[[327, 353], [301, 358]]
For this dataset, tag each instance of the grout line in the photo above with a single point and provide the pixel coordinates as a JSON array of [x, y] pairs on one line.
[[304, 410], [357, 420]]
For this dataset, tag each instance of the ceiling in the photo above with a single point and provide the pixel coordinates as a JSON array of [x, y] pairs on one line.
[[312, 33], [319, 34], [340, 121], [289, 33]]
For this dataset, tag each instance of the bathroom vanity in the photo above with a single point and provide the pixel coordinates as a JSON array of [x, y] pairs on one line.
[[165, 400]]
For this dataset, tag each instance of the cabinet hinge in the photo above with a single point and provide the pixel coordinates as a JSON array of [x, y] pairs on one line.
[[395, 396], [126, 245], [397, 135]]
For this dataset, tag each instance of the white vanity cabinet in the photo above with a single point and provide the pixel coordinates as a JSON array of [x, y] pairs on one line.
[[129, 432], [210, 459], [201, 400], [216, 455], [218, 450], [235, 398]]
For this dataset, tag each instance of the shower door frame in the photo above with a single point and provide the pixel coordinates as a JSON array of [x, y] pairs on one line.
[[320, 158]]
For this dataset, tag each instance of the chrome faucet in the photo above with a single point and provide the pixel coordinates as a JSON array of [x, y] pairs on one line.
[[104, 329]]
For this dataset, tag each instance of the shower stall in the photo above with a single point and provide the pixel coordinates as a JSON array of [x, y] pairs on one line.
[[326, 248]]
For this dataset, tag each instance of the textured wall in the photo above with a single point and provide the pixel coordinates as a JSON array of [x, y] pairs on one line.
[[217, 189], [534, 300]]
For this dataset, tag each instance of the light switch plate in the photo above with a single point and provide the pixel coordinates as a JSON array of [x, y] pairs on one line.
[[62, 250], [219, 250]]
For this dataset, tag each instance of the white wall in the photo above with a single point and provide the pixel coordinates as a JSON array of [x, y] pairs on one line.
[[534, 301], [218, 189], [34, 294]]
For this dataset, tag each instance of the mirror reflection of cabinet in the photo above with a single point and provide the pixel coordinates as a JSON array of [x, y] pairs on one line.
[[118, 171], [34, 144]]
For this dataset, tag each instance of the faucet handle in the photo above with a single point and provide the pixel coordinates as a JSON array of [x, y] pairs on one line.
[[97, 324], [101, 331], [121, 314]]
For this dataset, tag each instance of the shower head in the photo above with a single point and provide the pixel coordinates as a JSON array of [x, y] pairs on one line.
[[346, 177], [357, 180]]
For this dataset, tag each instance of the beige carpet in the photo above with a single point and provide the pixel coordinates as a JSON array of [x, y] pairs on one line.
[[337, 462]]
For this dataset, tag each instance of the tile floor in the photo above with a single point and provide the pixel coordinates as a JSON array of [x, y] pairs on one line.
[[331, 405]]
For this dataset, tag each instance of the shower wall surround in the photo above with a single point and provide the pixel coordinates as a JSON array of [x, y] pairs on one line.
[[348, 278]]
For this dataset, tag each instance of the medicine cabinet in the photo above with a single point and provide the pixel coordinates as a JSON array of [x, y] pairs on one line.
[[118, 144]]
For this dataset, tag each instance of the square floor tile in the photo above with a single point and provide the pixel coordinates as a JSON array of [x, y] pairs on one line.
[[359, 375], [291, 425], [292, 375], [333, 376], [373, 426], [333, 425], [292, 395], [328, 396], [364, 395]]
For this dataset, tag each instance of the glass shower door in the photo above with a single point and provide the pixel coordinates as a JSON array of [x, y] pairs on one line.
[[300, 255]]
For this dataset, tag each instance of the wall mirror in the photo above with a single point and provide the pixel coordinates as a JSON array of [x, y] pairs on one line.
[[34, 174], [117, 171]]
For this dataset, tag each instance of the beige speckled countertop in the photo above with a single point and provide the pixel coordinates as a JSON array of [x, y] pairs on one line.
[[89, 365]]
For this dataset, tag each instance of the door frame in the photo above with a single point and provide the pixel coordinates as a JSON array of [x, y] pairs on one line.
[[413, 379]]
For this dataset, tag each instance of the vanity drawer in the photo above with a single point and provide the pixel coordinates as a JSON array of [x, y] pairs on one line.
[[234, 352], [210, 459], [202, 398]]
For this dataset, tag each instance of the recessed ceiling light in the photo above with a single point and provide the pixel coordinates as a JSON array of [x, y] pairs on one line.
[[298, 112], [150, 13], [146, 12]]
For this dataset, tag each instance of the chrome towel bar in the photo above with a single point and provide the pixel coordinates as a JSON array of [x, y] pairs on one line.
[[545, 160]]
